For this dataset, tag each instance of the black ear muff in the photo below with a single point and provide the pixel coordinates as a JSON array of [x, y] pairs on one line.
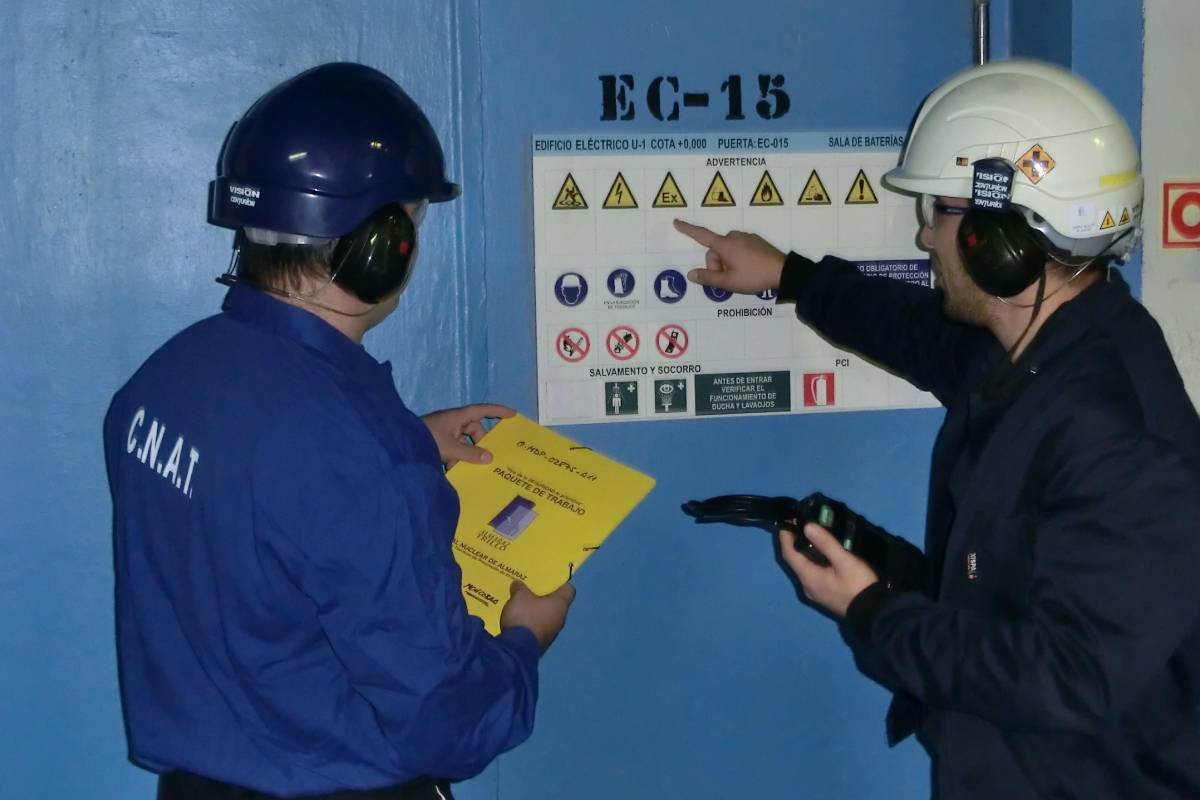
[[999, 251], [376, 259]]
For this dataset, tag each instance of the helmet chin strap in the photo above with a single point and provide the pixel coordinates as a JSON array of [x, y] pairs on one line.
[[1037, 307]]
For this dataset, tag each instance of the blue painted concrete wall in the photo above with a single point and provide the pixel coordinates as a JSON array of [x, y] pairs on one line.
[[688, 668]]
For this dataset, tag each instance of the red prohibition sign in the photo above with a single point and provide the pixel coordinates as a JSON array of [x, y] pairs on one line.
[[622, 342], [1178, 207], [671, 341], [573, 345]]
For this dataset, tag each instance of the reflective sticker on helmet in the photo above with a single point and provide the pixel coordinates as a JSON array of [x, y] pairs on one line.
[[1036, 163], [1117, 179]]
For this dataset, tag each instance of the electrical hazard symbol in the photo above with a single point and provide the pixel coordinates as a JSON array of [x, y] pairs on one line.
[[668, 195], [573, 345], [619, 195], [1036, 163], [622, 342], [672, 341], [620, 398], [1124, 217], [569, 197], [814, 193], [1108, 222], [718, 193], [766, 193], [670, 397], [861, 193]]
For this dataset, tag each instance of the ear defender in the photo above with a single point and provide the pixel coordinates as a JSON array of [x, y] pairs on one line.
[[376, 259], [997, 247], [999, 252]]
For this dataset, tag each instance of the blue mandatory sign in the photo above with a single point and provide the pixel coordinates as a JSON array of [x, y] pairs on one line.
[[717, 295], [767, 294], [570, 288], [620, 282], [670, 286]]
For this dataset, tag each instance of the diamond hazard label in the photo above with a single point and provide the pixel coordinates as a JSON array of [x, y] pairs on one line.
[[573, 345], [619, 195], [766, 193], [569, 197], [668, 195], [1036, 163], [622, 342], [718, 193], [672, 341]]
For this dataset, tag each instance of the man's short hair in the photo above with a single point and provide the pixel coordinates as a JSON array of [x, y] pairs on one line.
[[283, 266]]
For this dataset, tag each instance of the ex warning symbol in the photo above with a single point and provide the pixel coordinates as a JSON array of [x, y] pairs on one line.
[[718, 193], [619, 195], [669, 195], [766, 193], [814, 193], [569, 197], [861, 192]]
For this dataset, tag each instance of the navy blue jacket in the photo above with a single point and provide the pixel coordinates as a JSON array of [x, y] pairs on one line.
[[289, 614], [1057, 650]]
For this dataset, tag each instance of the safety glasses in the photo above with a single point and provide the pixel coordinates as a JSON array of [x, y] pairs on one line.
[[930, 206]]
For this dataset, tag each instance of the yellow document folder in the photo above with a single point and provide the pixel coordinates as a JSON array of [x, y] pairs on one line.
[[535, 513]]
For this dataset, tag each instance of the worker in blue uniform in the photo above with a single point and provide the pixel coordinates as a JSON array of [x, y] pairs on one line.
[[1055, 651], [290, 620]]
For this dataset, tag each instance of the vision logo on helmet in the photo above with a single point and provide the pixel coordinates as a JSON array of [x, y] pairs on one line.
[[243, 195]]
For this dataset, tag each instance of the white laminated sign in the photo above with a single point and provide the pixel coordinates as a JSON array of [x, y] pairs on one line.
[[622, 335]]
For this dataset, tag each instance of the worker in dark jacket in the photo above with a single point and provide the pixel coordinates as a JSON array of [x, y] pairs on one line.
[[1056, 649]]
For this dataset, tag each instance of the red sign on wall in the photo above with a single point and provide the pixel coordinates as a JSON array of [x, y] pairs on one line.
[[1181, 215], [818, 389]]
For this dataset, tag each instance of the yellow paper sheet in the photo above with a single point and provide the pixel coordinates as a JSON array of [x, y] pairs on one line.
[[535, 513]]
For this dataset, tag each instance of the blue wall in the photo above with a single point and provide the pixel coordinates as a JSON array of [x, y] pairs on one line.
[[688, 668]]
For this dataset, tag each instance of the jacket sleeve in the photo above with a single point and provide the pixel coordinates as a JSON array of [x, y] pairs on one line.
[[367, 542], [897, 325], [1113, 595]]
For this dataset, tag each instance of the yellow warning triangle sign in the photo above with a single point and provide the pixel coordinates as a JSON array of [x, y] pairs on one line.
[[861, 192], [1108, 221], [1124, 217], [718, 193], [766, 193], [569, 197], [669, 195], [814, 193], [619, 195]]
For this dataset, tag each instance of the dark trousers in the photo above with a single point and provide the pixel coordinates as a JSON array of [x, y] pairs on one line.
[[186, 786]]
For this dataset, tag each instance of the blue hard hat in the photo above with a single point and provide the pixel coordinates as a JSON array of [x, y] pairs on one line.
[[321, 152]]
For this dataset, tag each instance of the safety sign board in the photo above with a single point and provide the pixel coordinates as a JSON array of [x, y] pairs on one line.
[[718, 193], [623, 342], [766, 193], [636, 340], [1181, 215], [619, 195], [569, 197], [669, 195], [814, 193]]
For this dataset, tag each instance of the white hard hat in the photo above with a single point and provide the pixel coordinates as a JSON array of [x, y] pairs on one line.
[[1077, 179]]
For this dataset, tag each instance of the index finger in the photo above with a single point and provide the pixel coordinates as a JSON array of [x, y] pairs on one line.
[[698, 233]]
